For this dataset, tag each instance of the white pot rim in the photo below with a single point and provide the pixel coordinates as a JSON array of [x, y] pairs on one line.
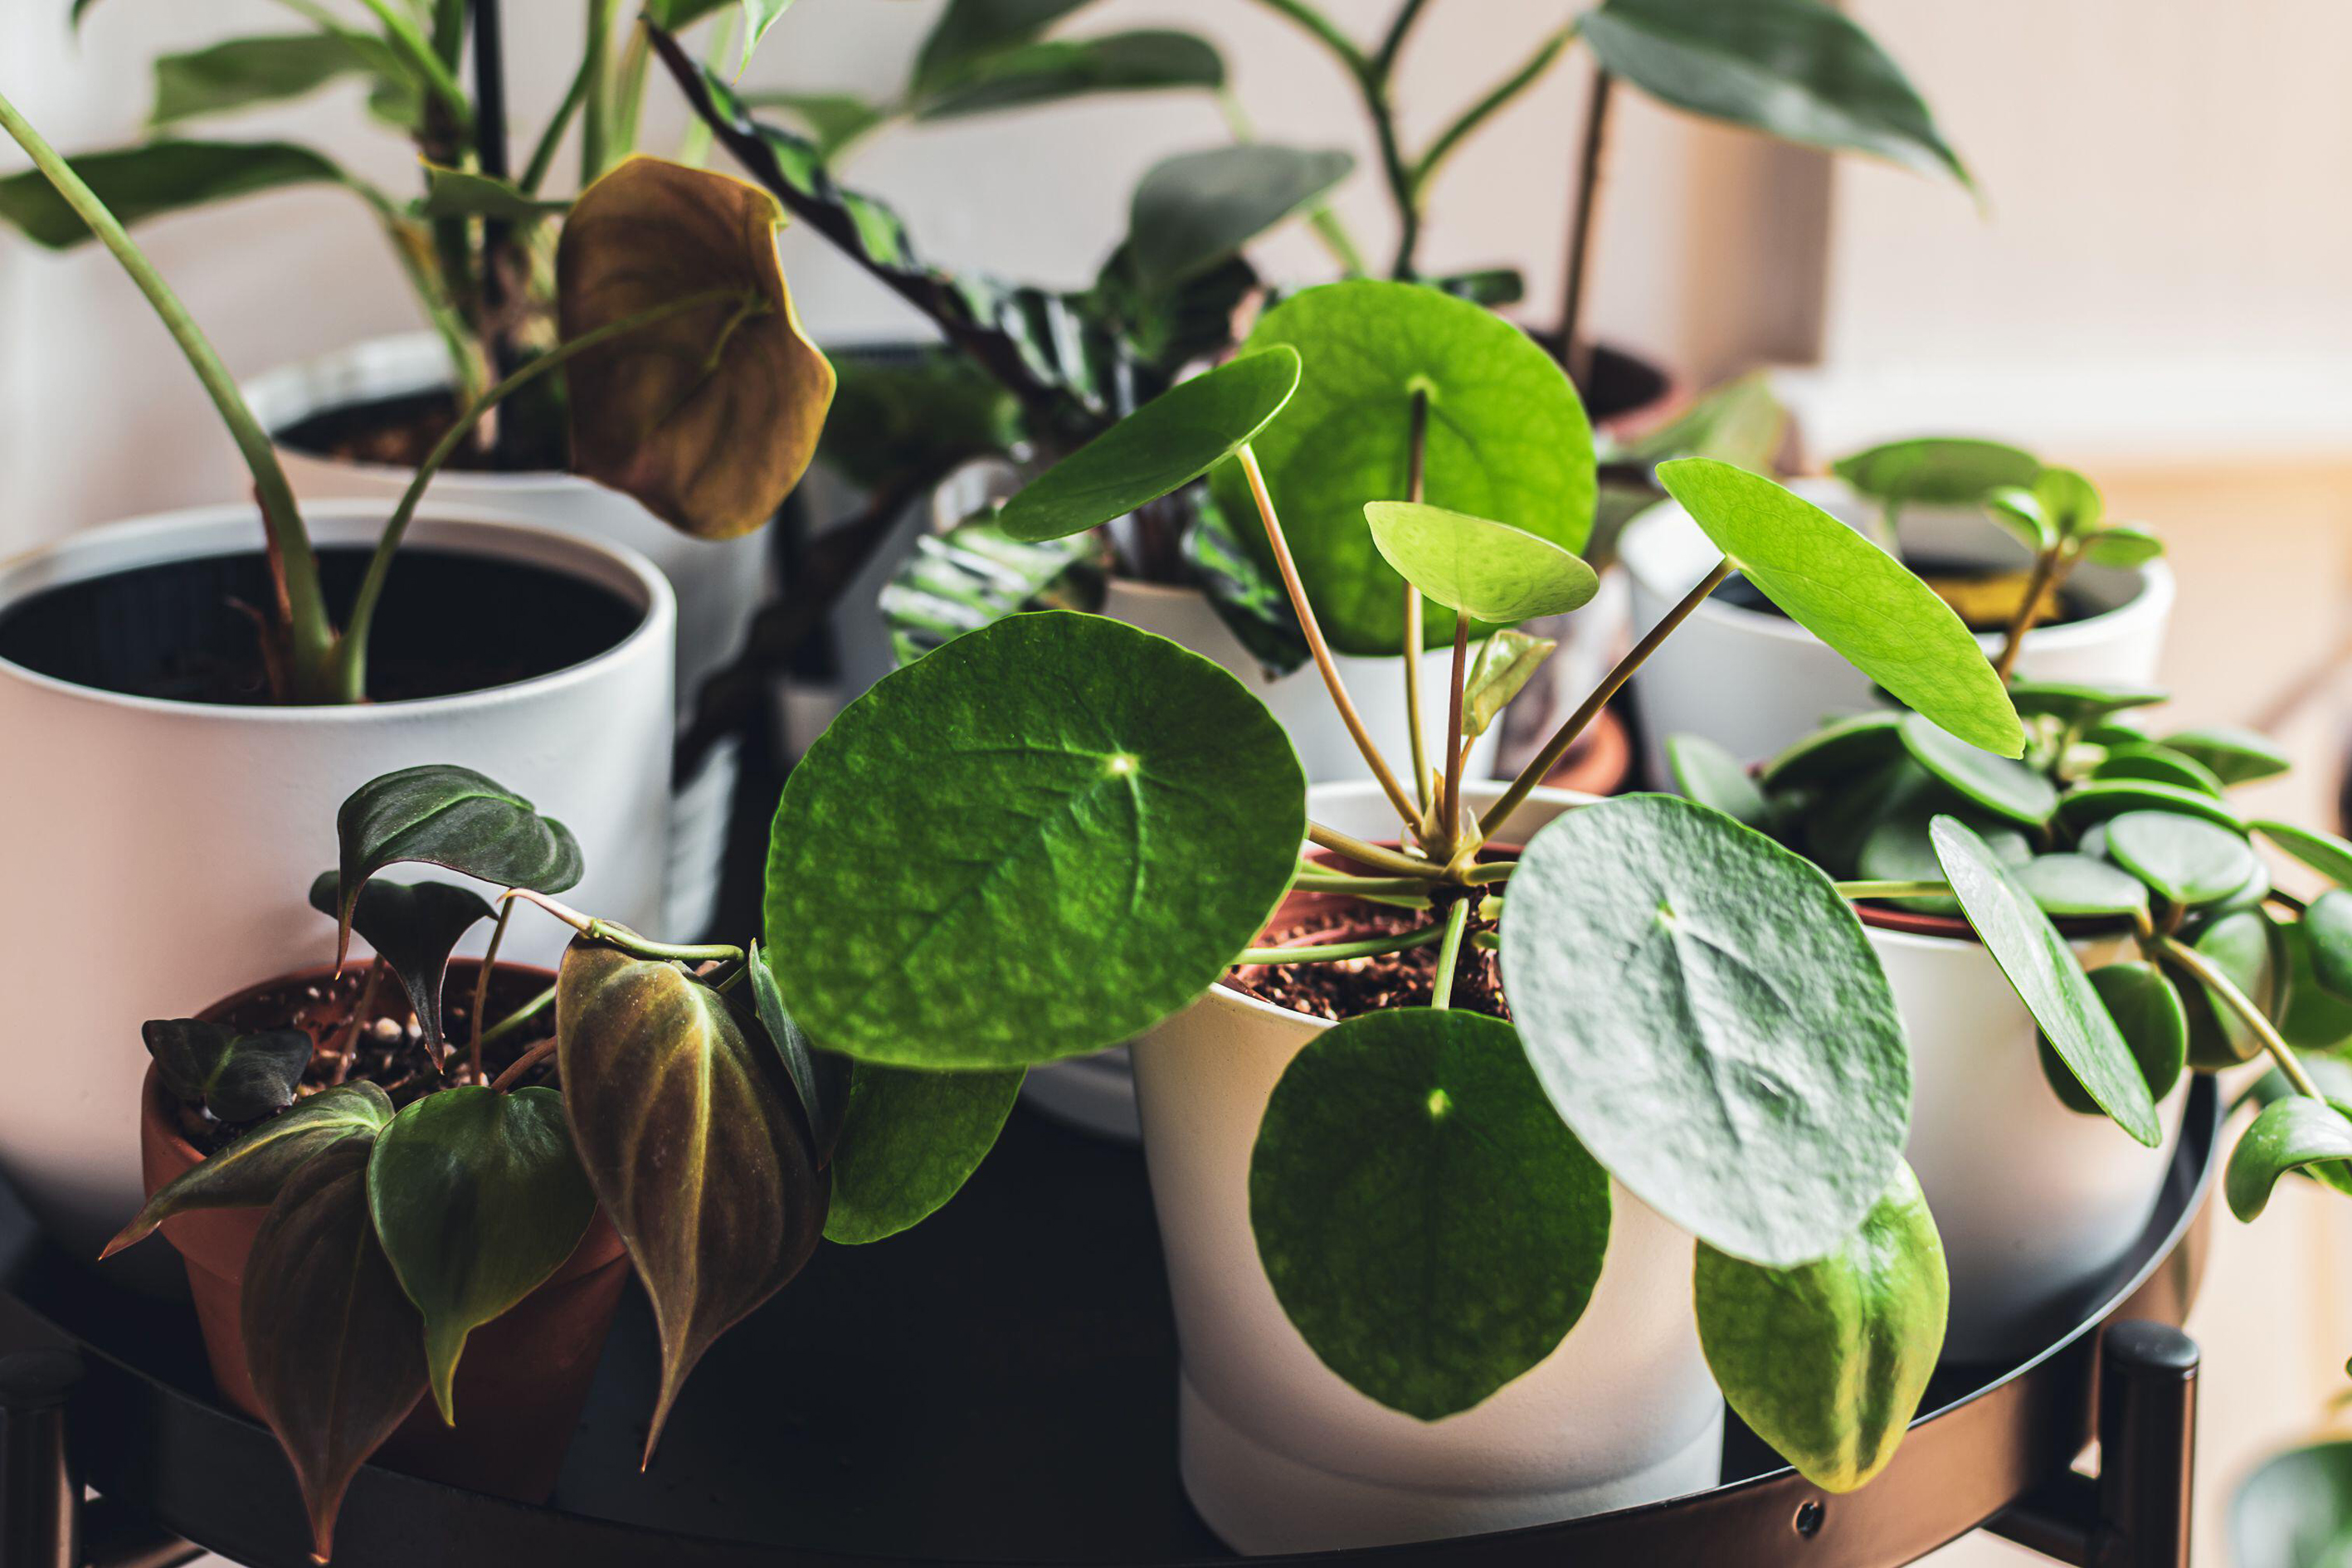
[[235, 529]]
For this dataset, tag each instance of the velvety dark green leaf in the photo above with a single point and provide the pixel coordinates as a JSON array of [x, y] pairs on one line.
[[2245, 948], [2296, 1133], [1841, 747], [1827, 1361], [1129, 814], [2324, 852], [1425, 1219], [2316, 1017], [1485, 570], [1708, 1016], [2184, 859], [698, 1159], [454, 818], [820, 1091], [2081, 885], [2236, 756], [242, 73], [1713, 777], [459, 193], [970, 30], [414, 928], [1854, 597], [2006, 788], [976, 574], [1194, 210], [2295, 1510], [2097, 800], [158, 178], [2077, 703], [1507, 439], [1162, 446], [1505, 662], [2149, 760], [1056, 70], [234, 1075], [2327, 924], [1246, 596], [2048, 978], [336, 1350], [910, 1140], [477, 1200], [1936, 471], [250, 1172], [1796, 70], [2148, 1013]]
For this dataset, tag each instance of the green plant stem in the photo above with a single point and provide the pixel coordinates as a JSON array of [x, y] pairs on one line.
[[1895, 889], [521, 1065], [1371, 76], [1449, 826], [1576, 347], [1449, 954], [551, 139], [1337, 952], [482, 981], [2050, 570], [1368, 854], [1477, 114], [310, 636], [1415, 484], [1557, 748], [615, 934], [1488, 872], [519, 1017], [1315, 643], [1384, 61], [400, 32], [2238, 1002], [596, 59], [1325, 31], [1359, 886], [347, 1036], [351, 674]]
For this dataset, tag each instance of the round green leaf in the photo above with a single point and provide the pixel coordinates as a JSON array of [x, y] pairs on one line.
[[1713, 777], [2096, 800], [2150, 759], [2001, 786], [2081, 886], [910, 1140], [1162, 446], [1425, 1219], [1125, 817], [2296, 1133], [2148, 1014], [2237, 756], [1507, 439], [2047, 977], [2246, 948], [1839, 747], [1488, 570], [2185, 859], [2324, 852], [2327, 929], [2317, 1018], [1852, 595], [478, 1199], [1936, 471], [1706, 1013], [2076, 702], [2069, 500], [1827, 1361]]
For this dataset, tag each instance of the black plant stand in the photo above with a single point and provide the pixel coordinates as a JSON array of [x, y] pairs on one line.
[[998, 1387]]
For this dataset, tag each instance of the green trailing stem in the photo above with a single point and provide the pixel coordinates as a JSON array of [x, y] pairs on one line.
[[1449, 954], [1320, 881], [1370, 854], [1894, 890], [516, 1019], [2239, 1003], [1335, 952]]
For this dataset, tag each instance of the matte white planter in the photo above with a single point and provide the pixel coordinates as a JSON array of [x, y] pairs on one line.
[[158, 853], [2037, 1205], [1754, 682], [719, 584], [1278, 1453]]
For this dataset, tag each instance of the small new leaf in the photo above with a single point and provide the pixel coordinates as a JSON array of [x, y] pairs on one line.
[[237, 1076], [414, 928], [1506, 663], [454, 818]]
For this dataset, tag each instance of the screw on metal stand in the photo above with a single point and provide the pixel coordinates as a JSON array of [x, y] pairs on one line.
[[41, 1488], [2147, 1441]]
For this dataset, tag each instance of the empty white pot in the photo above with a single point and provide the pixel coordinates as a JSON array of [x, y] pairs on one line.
[[1753, 682], [172, 844], [1278, 1453], [719, 584]]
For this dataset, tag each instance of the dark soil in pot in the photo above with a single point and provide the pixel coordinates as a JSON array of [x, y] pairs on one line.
[[399, 431], [449, 622], [1986, 598]]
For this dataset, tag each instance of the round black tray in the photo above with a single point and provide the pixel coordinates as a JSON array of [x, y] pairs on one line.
[[999, 1385]]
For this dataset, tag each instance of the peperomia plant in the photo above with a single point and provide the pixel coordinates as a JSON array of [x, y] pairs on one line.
[[1684, 1007], [448, 1179], [679, 342]]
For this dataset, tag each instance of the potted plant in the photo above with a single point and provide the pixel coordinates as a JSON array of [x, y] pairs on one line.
[[1701, 1050], [168, 669], [1749, 679], [433, 1178]]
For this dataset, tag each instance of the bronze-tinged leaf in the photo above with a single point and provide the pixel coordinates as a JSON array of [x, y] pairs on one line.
[[710, 417], [703, 1166], [336, 1350]]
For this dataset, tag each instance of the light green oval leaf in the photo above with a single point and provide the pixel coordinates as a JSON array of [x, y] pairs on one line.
[[1901, 847], [2070, 500], [2148, 1013], [2184, 859], [1854, 597], [1506, 661], [1488, 570], [2151, 760], [1713, 777], [2238, 756], [2318, 1017], [2096, 800], [1827, 1361], [1197, 209], [2001, 786], [1708, 1017], [1373, 1195], [2081, 886], [2324, 852], [1841, 746], [1936, 471], [2079, 703], [910, 1140], [2296, 1133], [2122, 546]]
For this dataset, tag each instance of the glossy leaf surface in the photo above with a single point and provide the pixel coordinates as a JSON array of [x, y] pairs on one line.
[[2236, 756], [250, 1172], [1485, 570], [414, 928], [1999, 784], [454, 818], [2078, 886], [2184, 859], [2294, 1133]]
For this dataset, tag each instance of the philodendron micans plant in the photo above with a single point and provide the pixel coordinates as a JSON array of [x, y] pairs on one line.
[[1695, 1011], [692, 387], [684, 1104]]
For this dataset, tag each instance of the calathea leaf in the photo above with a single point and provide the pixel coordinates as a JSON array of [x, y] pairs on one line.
[[477, 1200], [1056, 70], [1246, 596], [2296, 1133], [1827, 1361], [1506, 661], [452, 818], [158, 178], [336, 1350], [1193, 211], [909, 1141], [237, 1076], [1389, 1138], [414, 928], [250, 1172], [701, 1164], [976, 574]]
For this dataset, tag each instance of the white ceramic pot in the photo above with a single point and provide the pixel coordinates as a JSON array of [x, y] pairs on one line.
[[2037, 1204], [1754, 682], [1278, 1453], [718, 585], [158, 853]]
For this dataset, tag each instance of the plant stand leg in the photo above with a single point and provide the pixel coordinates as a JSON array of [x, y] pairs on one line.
[[44, 1522]]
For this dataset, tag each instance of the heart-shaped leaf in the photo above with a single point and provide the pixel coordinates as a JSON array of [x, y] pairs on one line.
[[336, 1350], [1162, 446], [2246, 947], [710, 416], [236, 1076], [1128, 816], [1936, 471], [1488, 570], [1505, 438], [1713, 777], [2097, 800], [1841, 747], [699, 1162], [1193, 211], [454, 818], [1827, 1361], [1852, 595], [2296, 1133], [2048, 978], [251, 1171], [2184, 859], [2150, 759], [2236, 756], [1373, 1195], [1506, 661], [2327, 927], [414, 928], [477, 1200], [2081, 886], [910, 1140], [2324, 852], [2148, 1014], [2316, 1018], [2001, 786], [1706, 1013]]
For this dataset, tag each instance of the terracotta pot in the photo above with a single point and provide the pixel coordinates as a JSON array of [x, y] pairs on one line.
[[1600, 762], [525, 1376]]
